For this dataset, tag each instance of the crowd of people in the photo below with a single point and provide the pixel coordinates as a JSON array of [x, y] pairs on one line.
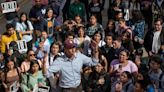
[[67, 49]]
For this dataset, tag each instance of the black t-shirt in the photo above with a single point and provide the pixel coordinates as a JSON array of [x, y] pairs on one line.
[[37, 11]]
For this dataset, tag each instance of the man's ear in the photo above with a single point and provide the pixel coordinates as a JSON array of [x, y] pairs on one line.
[[162, 47]]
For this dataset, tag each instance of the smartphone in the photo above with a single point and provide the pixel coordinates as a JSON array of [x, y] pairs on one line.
[[42, 39], [120, 67], [11, 49]]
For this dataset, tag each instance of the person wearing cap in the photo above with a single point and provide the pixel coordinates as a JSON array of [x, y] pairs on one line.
[[69, 67]]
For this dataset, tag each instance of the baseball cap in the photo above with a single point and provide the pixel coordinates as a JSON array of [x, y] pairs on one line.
[[69, 44]]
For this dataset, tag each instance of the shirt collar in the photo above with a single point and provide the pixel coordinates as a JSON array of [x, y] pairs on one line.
[[68, 59]]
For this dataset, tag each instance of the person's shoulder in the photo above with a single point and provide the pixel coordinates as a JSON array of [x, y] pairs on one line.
[[87, 38], [33, 8], [131, 63], [40, 73], [99, 25], [24, 62], [24, 75], [28, 21], [3, 36], [115, 61], [82, 4], [60, 58], [78, 54], [18, 23]]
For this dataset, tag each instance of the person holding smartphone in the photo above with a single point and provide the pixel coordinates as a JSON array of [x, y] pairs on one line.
[[118, 66], [33, 78], [42, 45]]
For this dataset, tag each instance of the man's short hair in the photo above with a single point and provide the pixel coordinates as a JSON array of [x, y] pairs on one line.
[[9, 25], [157, 59], [121, 20], [118, 39], [158, 19], [109, 34], [69, 34]]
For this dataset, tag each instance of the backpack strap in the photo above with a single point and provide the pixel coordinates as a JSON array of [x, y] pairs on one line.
[[127, 87], [18, 72], [160, 78], [49, 59], [28, 78]]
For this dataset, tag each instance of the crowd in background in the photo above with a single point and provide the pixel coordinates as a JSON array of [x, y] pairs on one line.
[[69, 50]]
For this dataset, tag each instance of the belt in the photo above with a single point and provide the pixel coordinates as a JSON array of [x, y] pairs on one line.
[[72, 88]]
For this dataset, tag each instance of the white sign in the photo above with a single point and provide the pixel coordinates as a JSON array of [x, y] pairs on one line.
[[22, 46], [8, 6], [41, 89], [44, 89], [14, 87], [35, 88]]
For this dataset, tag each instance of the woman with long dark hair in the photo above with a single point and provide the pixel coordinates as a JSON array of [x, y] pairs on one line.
[[25, 27], [33, 78], [127, 42], [125, 83], [82, 40], [110, 27], [11, 75], [98, 38]]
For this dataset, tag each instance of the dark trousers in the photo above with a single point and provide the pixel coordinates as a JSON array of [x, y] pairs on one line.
[[77, 89]]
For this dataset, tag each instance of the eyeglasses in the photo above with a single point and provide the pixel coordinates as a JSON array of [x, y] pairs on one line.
[[32, 55]]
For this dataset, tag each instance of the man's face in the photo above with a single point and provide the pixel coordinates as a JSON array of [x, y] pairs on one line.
[[78, 19], [70, 38], [121, 24], [154, 65], [93, 20], [10, 31], [70, 52], [44, 35], [37, 2], [116, 44], [55, 49], [158, 26]]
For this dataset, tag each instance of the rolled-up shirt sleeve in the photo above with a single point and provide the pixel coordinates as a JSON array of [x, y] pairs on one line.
[[89, 61], [55, 67]]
